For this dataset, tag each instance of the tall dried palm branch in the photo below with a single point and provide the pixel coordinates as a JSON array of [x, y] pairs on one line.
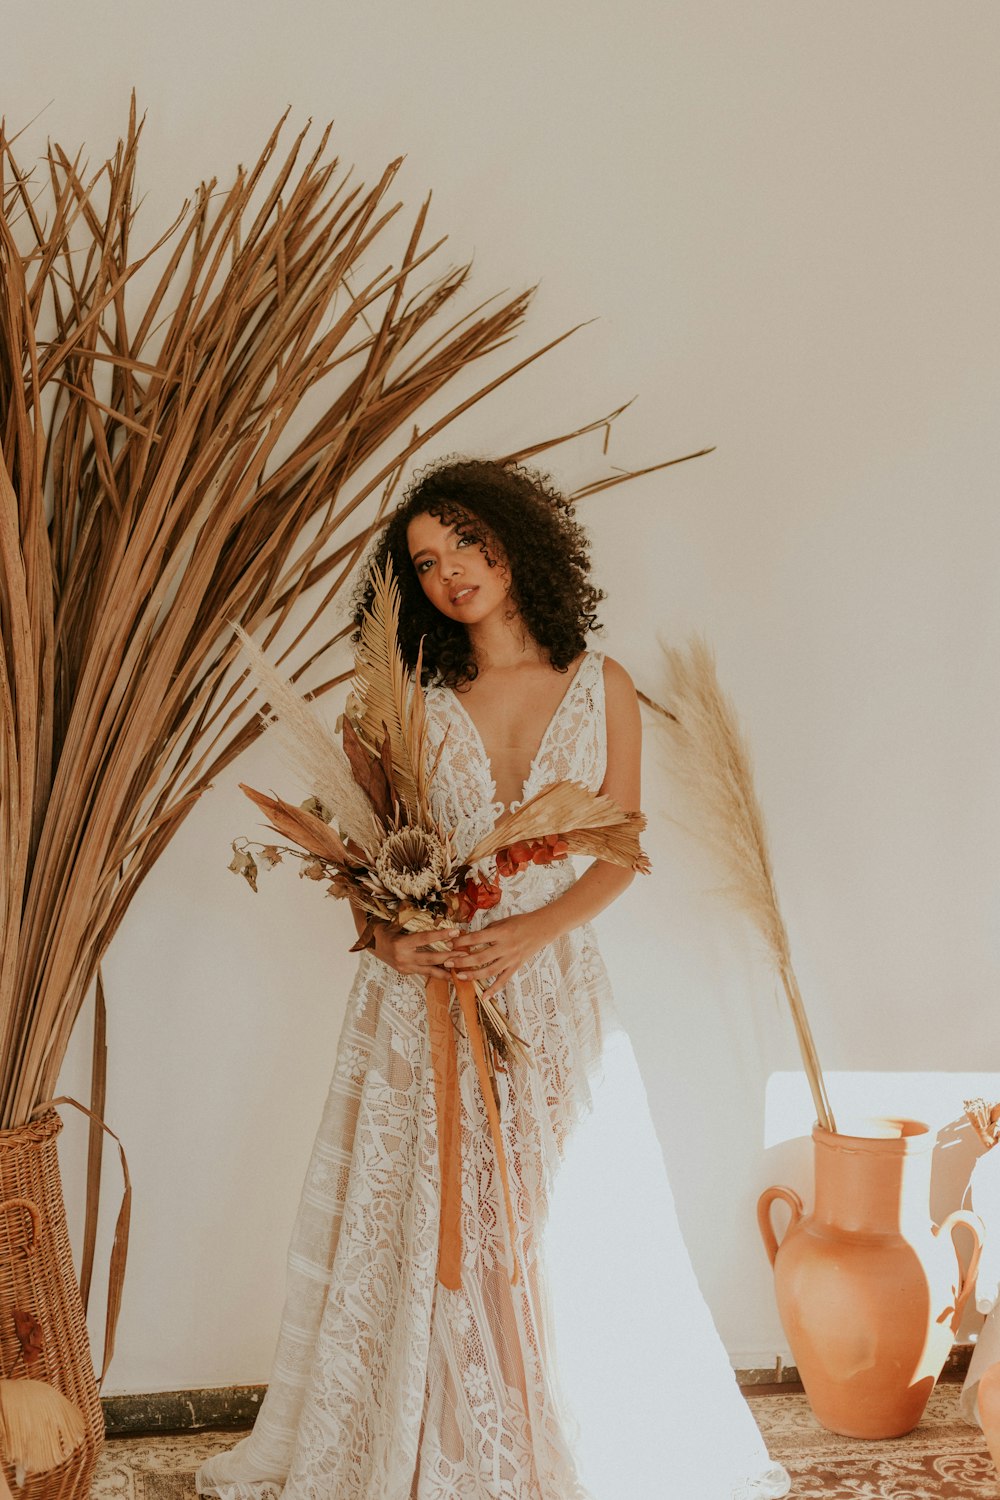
[[158, 480]]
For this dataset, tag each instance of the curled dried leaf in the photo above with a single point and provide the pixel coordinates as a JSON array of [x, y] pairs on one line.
[[313, 869], [243, 863], [271, 855], [29, 1334]]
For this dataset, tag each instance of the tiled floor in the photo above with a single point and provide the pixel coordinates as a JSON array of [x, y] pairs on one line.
[[942, 1459]]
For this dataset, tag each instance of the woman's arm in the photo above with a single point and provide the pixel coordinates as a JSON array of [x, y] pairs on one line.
[[502, 947]]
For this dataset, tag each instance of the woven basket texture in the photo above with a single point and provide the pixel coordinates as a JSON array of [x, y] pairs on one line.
[[40, 1279]]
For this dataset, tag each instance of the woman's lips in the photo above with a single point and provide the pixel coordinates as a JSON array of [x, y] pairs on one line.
[[463, 595]]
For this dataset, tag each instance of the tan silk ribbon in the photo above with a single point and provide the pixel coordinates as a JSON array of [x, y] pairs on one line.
[[444, 1055]]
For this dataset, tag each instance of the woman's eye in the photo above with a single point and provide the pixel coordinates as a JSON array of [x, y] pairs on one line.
[[423, 565], [464, 541]]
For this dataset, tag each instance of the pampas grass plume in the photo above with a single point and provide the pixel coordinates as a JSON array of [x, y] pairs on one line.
[[309, 745], [711, 760]]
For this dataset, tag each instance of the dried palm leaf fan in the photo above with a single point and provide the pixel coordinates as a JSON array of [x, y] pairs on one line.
[[39, 1428], [711, 759]]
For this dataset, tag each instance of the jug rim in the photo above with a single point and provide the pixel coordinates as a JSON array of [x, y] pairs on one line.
[[885, 1134]]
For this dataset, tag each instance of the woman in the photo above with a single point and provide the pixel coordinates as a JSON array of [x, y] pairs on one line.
[[387, 1385]]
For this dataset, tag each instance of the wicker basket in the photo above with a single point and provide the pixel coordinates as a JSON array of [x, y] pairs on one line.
[[37, 1276]]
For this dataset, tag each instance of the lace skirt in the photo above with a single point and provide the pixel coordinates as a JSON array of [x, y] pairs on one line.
[[387, 1386]]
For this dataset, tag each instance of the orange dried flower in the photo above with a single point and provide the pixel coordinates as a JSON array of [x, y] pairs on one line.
[[477, 895], [541, 851]]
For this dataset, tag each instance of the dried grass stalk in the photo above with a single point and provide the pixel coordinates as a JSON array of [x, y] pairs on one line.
[[309, 746], [153, 487], [712, 761]]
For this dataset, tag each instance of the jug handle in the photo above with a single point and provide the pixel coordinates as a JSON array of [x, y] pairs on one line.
[[974, 1224], [767, 1234]]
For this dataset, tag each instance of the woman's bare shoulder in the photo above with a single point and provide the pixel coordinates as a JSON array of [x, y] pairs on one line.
[[617, 682]]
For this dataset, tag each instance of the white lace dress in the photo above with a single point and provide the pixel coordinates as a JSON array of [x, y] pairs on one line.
[[388, 1386]]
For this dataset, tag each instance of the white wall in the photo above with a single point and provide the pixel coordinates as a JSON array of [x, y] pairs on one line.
[[785, 219]]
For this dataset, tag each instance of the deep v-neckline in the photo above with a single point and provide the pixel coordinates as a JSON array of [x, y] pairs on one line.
[[546, 732]]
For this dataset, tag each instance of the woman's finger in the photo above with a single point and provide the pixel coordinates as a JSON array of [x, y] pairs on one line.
[[492, 990], [469, 941], [479, 963]]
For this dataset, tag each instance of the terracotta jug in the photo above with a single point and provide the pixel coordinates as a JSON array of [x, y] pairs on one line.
[[870, 1293]]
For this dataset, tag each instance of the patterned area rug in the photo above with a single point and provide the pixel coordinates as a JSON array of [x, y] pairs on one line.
[[155, 1468], [942, 1460]]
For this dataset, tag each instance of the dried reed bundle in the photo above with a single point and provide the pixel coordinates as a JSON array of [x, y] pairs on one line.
[[712, 760], [153, 486]]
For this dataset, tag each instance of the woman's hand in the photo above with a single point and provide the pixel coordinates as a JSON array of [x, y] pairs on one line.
[[498, 950], [411, 953]]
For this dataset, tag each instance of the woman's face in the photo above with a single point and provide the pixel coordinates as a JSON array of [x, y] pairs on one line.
[[454, 571]]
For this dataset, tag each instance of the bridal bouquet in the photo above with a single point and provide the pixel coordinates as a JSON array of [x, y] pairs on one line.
[[369, 832]]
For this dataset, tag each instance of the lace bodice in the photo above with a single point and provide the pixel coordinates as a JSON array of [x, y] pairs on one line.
[[463, 794]]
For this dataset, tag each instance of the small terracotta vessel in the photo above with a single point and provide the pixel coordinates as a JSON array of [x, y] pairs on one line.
[[870, 1292]]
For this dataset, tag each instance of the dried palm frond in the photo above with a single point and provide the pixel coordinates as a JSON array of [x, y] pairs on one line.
[[711, 759], [389, 702], [589, 824], [39, 1426]]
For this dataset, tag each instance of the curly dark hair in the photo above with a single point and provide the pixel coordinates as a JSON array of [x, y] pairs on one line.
[[516, 516]]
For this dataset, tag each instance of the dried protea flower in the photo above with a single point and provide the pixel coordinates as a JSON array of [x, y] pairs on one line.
[[413, 862]]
